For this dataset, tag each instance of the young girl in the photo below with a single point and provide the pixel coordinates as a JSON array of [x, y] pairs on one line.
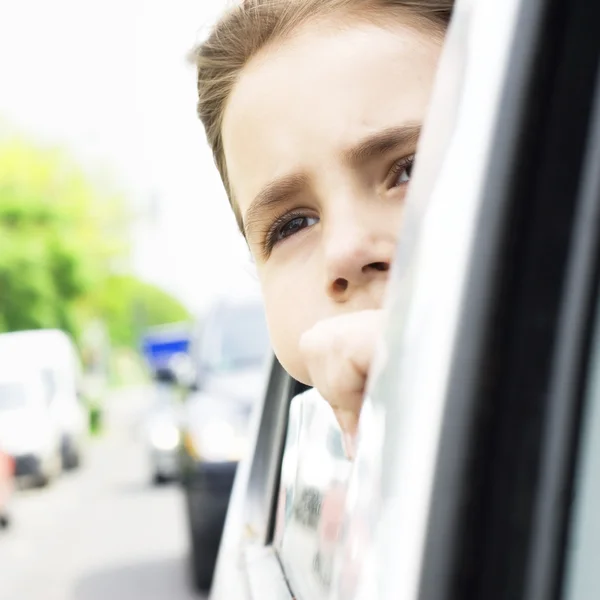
[[313, 110]]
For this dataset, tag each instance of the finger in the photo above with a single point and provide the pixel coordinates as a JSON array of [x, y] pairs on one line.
[[338, 352]]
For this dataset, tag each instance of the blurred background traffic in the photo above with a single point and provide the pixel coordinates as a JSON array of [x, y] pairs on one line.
[[133, 343]]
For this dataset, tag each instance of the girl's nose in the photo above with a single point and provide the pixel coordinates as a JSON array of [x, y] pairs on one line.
[[354, 258]]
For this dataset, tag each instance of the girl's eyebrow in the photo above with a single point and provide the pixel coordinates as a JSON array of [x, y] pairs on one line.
[[382, 142], [274, 193]]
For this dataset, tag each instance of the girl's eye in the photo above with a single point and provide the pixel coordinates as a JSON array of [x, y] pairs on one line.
[[286, 227], [293, 226], [401, 172]]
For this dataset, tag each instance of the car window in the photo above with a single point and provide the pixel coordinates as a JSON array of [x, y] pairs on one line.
[[27, 392], [51, 383], [583, 576], [12, 395]]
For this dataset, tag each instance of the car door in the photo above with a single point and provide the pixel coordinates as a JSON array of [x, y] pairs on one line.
[[474, 474]]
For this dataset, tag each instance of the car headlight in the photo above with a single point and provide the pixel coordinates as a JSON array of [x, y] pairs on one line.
[[164, 437], [216, 441]]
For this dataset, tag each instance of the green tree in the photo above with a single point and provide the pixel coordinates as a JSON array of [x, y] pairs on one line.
[[60, 231], [63, 236], [127, 305]]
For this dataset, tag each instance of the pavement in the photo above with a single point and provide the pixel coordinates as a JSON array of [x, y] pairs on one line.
[[103, 532]]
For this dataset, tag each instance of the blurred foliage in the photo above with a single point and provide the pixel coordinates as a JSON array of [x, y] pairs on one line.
[[59, 233], [128, 305], [63, 237]]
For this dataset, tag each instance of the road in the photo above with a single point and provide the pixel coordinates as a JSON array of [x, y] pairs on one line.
[[103, 532]]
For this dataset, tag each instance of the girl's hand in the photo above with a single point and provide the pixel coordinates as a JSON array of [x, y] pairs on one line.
[[338, 352]]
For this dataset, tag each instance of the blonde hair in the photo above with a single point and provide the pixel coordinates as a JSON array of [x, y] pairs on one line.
[[253, 24]]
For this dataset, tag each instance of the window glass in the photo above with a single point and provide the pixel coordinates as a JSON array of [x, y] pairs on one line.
[[314, 476], [583, 574], [50, 380], [21, 393]]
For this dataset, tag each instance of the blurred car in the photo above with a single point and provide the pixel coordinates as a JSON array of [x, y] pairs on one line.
[[229, 357], [162, 434], [161, 343], [29, 433], [7, 472], [53, 353]]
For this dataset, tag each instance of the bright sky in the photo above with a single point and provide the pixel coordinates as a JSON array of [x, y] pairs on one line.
[[109, 79]]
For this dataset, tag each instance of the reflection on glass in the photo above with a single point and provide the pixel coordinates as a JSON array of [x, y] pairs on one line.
[[583, 576], [314, 476]]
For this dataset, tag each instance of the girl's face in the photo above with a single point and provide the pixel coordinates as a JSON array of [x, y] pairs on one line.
[[320, 134]]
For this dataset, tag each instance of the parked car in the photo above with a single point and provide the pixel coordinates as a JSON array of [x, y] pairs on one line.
[[476, 469], [161, 426], [229, 356], [53, 353], [29, 432], [7, 473]]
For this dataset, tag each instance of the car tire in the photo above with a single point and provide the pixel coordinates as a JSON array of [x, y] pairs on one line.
[[51, 472], [158, 479], [74, 460], [70, 453], [42, 480]]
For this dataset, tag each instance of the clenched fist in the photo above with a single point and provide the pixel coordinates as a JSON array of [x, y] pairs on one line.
[[338, 352]]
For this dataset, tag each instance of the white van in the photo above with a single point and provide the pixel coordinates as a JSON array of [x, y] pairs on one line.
[[52, 353], [29, 433]]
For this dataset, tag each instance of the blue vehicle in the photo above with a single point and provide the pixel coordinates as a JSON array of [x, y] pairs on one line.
[[162, 343], [162, 347]]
